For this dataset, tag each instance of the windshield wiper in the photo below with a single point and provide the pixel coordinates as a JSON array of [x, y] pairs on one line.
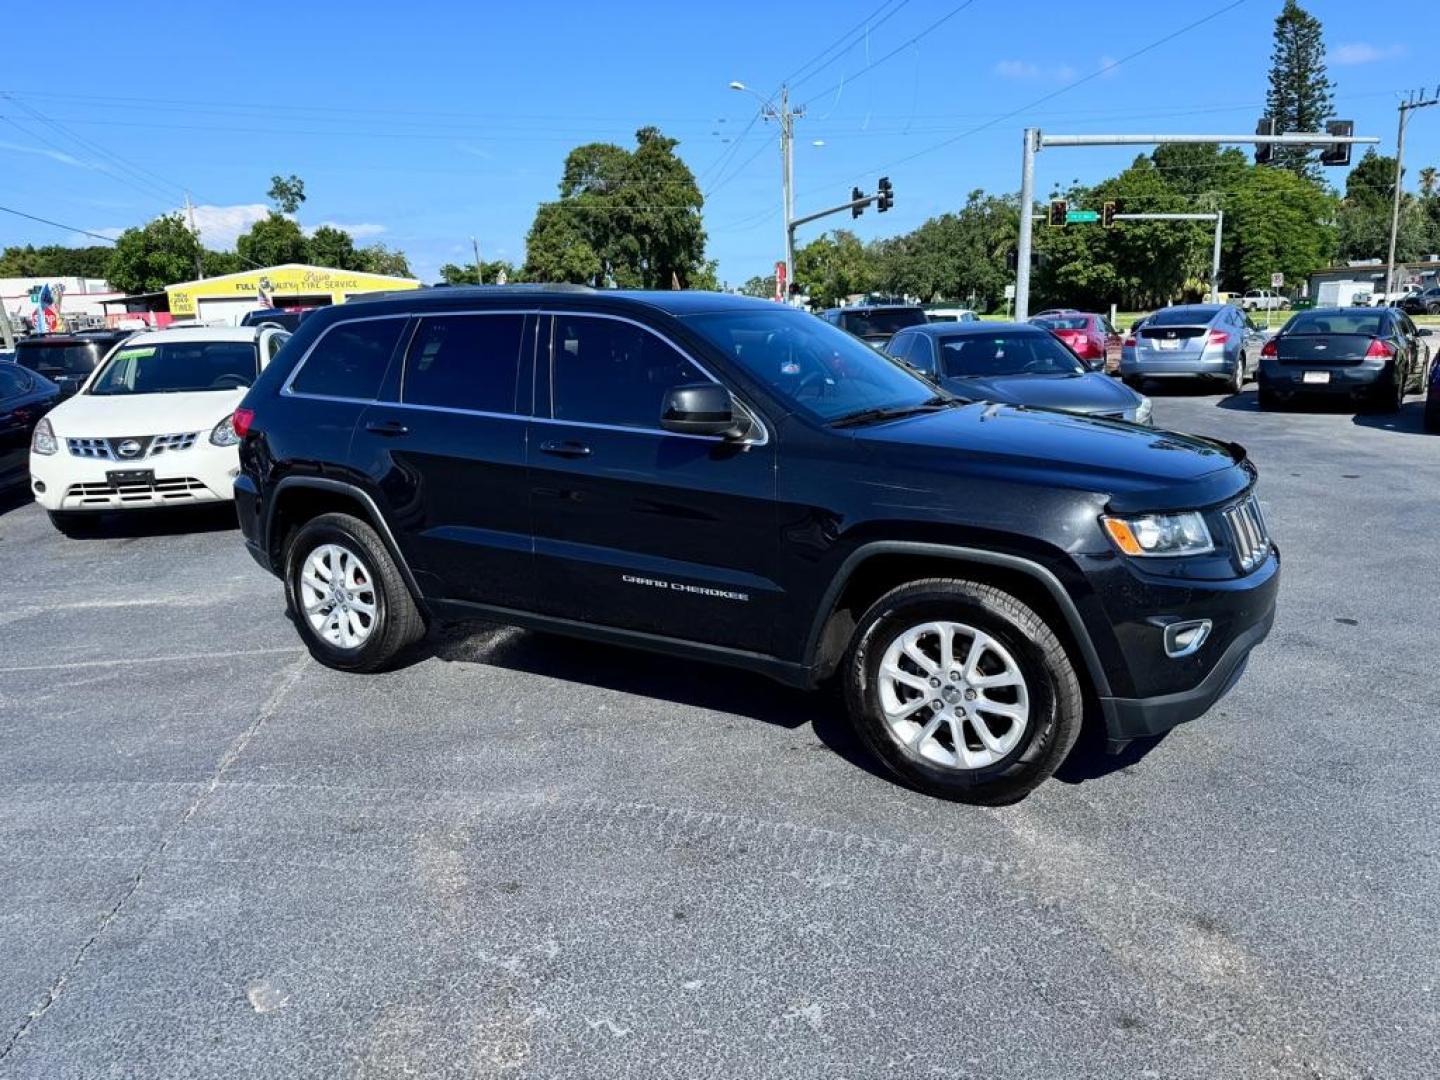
[[894, 412]]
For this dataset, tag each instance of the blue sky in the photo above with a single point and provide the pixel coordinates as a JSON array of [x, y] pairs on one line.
[[421, 125]]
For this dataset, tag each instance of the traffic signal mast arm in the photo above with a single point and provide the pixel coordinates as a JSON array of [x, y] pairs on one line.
[[862, 202]]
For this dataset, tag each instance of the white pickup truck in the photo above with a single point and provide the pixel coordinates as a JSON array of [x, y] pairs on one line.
[[1381, 299], [1263, 300]]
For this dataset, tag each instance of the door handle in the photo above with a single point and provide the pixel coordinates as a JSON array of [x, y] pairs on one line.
[[387, 427], [565, 449]]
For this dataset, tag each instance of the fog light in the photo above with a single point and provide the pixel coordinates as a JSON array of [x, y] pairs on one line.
[[39, 487], [1185, 638]]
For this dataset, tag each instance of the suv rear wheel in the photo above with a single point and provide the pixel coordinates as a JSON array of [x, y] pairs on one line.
[[350, 603], [962, 691]]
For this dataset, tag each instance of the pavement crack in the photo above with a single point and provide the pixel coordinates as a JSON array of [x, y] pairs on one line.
[[289, 678]]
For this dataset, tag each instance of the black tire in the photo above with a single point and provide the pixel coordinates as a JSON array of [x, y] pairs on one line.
[[396, 620], [1388, 399], [72, 524], [1236, 383], [1055, 700], [1269, 400], [1432, 416]]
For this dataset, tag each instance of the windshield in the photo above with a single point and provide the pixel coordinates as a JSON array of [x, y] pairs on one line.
[[175, 367], [1335, 322], [1182, 316], [810, 363], [978, 356], [881, 322], [1079, 322], [57, 359]]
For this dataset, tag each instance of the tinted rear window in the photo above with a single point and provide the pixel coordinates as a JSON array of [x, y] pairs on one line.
[[1337, 322], [1054, 322], [57, 359], [464, 362], [1182, 316], [878, 321], [350, 360]]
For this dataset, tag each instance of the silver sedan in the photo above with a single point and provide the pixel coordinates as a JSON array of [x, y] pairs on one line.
[[1211, 341]]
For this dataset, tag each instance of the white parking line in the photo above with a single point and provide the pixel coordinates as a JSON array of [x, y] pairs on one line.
[[120, 662]]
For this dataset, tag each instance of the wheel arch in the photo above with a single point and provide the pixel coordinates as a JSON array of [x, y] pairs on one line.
[[877, 567], [299, 499]]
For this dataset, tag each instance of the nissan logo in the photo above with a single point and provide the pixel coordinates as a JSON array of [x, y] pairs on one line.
[[128, 448]]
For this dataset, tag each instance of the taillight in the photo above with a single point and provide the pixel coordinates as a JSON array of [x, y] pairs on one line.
[[1379, 350], [242, 420], [1129, 342], [1218, 337], [1270, 348]]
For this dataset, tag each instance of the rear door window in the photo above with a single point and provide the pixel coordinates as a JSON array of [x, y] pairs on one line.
[[349, 361], [465, 362]]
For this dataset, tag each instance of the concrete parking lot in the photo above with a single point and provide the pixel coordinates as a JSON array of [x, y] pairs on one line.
[[526, 856]]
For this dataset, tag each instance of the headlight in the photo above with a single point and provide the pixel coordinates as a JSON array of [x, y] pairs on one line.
[[1163, 536], [224, 432], [1143, 410], [43, 441]]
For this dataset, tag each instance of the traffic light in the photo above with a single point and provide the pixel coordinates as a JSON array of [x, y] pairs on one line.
[[1107, 214], [887, 195], [1265, 152], [1337, 153], [855, 196], [1058, 209]]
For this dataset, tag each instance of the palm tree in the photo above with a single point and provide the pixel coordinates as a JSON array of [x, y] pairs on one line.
[[1428, 176]]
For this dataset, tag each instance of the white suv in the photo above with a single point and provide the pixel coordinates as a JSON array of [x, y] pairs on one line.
[[151, 426]]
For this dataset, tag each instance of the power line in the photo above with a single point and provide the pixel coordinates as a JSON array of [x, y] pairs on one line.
[[57, 224], [871, 22], [895, 51]]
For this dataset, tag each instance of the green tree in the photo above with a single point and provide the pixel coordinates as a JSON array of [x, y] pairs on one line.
[[52, 260], [630, 218], [287, 193], [376, 258], [149, 258], [220, 263], [273, 241], [961, 256], [332, 247], [1300, 94], [453, 274], [763, 287], [834, 266], [1200, 169], [1276, 221], [1364, 216]]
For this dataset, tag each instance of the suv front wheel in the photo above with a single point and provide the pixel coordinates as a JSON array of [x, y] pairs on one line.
[[349, 602], [962, 691]]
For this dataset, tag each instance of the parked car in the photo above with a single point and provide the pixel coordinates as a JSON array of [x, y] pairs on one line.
[[24, 398], [1090, 337], [1396, 298], [1263, 300], [151, 427], [285, 318], [1426, 302], [1432, 398], [875, 324], [1372, 357], [951, 315], [67, 359], [1211, 341], [733, 480], [1018, 364]]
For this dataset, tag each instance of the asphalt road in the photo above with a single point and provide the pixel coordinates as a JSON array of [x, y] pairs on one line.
[[523, 856]]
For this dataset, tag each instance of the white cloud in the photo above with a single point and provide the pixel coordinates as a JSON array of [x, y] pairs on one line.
[[1362, 52], [220, 225], [40, 151], [1107, 66], [358, 231], [1030, 72]]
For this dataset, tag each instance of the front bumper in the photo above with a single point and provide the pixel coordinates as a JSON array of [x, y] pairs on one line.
[[202, 474]]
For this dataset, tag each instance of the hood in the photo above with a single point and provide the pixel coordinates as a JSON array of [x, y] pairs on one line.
[[103, 416], [1089, 393], [1136, 468]]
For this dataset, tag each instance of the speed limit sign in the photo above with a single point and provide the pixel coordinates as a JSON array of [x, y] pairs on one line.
[[1277, 280]]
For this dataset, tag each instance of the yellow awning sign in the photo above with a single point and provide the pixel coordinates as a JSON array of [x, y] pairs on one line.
[[282, 282]]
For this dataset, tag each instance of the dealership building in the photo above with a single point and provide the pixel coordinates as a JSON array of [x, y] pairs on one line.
[[226, 299]]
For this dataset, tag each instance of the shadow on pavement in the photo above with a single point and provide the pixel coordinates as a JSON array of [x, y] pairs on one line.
[[1089, 761], [1410, 420], [663, 678], [162, 521]]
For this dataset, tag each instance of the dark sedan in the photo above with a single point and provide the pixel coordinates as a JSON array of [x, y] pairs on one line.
[[1432, 399], [24, 398], [1015, 364], [1421, 303], [1370, 356]]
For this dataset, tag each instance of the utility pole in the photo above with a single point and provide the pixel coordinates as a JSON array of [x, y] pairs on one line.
[[785, 116], [199, 264], [1035, 141], [1405, 109], [479, 270]]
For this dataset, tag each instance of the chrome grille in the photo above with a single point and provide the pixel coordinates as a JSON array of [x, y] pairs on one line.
[[151, 446], [1249, 538]]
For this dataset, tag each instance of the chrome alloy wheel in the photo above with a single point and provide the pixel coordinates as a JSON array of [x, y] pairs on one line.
[[953, 695], [337, 591]]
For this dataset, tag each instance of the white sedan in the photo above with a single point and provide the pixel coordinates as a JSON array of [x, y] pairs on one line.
[[151, 426]]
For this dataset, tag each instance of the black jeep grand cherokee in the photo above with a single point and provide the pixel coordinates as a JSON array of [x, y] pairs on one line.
[[741, 482]]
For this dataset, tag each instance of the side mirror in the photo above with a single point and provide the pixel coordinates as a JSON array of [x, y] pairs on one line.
[[702, 409]]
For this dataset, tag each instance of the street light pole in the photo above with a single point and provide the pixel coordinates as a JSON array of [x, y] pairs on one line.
[[1027, 226], [1405, 107], [785, 116]]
